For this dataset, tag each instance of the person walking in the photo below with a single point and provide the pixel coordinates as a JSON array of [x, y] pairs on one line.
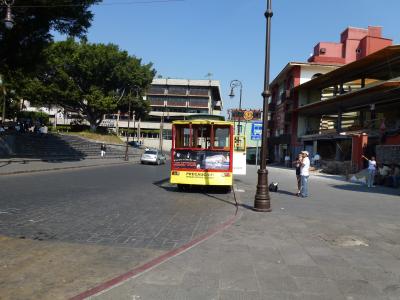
[[103, 149], [304, 173], [371, 170], [297, 164]]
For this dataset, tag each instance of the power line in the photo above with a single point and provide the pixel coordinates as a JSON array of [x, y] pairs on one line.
[[99, 4]]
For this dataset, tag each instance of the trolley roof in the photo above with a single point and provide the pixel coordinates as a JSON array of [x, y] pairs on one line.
[[202, 122]]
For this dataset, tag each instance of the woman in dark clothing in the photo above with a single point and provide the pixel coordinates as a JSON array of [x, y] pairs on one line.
[[297, 164]]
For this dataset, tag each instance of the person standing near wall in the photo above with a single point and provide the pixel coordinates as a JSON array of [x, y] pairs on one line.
[[103, 149], [371, 170], [304, 173], [287, 160], [297, 164]]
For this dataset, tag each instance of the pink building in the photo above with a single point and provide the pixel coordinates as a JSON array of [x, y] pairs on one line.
[[355, 43]]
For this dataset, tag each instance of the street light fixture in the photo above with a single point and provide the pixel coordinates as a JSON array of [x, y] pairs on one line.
[[129, 119], [234, 84], [262, 201], [9, 19]]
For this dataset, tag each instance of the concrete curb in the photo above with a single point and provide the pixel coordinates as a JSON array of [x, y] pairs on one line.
[[103, 287], [66, 168]]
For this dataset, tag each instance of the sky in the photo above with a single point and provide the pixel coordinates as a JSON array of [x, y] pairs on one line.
[[191, 38]]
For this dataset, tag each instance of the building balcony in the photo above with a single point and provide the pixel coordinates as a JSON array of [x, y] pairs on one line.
[[157, 102], [174, 103], [203, 103]]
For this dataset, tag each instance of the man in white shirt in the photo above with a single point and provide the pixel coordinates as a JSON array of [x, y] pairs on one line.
[[304, 173]]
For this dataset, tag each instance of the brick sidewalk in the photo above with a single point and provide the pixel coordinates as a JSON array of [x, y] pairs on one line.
[[343, 242]]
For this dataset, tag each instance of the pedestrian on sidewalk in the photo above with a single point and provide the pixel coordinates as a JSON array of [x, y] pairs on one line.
[[317, 159], [371, 170], [103, 149], [287, 161], [304, 173], [297, 164]]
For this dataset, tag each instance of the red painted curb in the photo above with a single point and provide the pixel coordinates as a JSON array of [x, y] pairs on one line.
[[153, 263]]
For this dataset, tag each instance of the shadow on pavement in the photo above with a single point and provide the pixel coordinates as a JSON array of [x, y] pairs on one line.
[[365, 189], [6, 163], [49, 147], [286, 193], [209, 191]]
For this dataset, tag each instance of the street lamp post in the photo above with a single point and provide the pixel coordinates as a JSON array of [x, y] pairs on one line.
[[129, 119], [3, 112], [9, 19], [262, 201], [9, 24], [234, 84], [127, 131]]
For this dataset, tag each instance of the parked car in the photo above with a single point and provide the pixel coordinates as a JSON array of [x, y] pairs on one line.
[[153, 156], [134, 144]]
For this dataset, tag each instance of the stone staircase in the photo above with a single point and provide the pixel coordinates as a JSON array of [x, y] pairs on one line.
[[57, 147]]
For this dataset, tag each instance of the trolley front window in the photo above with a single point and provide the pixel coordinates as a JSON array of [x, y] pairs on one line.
[[202, 147]]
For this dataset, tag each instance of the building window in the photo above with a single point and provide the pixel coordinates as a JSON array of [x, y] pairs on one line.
[[177, 90], [156, 100], [198, 91], [198, 102], [176, 101], [158, 90], [316, 75]]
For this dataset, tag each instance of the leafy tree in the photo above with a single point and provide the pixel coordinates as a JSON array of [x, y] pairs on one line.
[[92, 79], [21, 47]]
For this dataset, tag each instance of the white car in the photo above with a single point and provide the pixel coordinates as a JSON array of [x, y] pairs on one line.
[[153, 156]]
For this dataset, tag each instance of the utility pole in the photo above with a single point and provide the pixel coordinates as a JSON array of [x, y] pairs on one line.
[[127, 133], [262, 200], [161, 132], [3, 112], [117, 125], [138, 131]]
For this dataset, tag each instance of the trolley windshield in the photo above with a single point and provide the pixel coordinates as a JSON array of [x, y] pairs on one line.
[[202, 146]]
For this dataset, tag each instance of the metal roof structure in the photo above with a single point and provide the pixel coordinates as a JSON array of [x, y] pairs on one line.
[[382, 93], [381, 65]]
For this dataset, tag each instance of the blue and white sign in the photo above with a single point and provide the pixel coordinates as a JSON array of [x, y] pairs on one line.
[[256, 131]]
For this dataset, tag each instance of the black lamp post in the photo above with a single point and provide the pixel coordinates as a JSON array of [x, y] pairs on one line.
[[234, 84], [9, 19], [129, 119], [262, 201]]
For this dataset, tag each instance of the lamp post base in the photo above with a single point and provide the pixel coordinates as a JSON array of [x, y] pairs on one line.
[[262, 201]]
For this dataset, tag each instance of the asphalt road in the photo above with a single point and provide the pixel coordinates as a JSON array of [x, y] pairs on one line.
[[130, 205], [63, 232]]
